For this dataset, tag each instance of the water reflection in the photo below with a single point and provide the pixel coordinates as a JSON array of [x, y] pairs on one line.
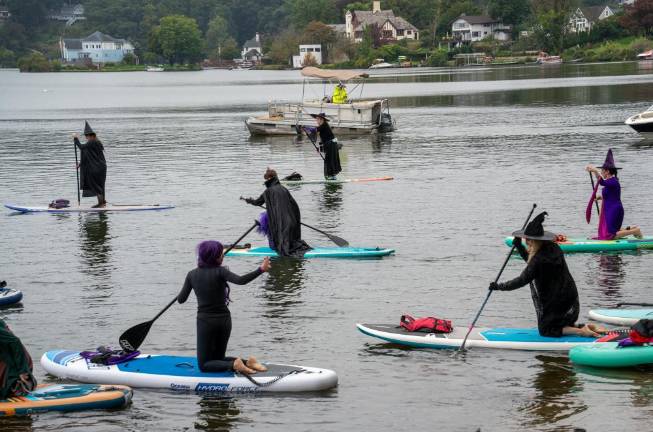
[[637, 380], [217, 414], [283, 287], [16, 424], [556, 387], [329, 201], [611, 275], [94, 242]]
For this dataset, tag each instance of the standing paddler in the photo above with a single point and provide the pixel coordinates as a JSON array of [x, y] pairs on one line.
[[282, 218], [611, 215], [92, 167], [329, 146], [553, 289]]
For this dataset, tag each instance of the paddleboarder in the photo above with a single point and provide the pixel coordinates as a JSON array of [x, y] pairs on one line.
[[16, 366], [210, 282], [329, 146], [92, 167], [611, 215], [553, 289], [283, 217]]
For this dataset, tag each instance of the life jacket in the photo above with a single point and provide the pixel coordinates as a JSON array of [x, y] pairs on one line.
[[106, 356], [642, 332], [428, 324], [59, 203], [339, 95]]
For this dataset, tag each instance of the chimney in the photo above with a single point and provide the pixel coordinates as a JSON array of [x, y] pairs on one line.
[[258, 37], [376, 6]]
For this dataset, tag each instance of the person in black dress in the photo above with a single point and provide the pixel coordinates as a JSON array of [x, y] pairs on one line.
[[92, 166], [329, 146]]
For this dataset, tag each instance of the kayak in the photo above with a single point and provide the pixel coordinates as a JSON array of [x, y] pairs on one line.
[[336, 181], [620, 316], [67, 397], [319, 252], [182, 373], [611, 355], [590, 245], [76, 209], [9, 296], [502, 338]]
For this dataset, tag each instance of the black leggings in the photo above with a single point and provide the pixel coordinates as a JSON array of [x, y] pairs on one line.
[[213, 333]]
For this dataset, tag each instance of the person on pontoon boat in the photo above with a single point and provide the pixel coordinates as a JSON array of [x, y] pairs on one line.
[[339, 93]]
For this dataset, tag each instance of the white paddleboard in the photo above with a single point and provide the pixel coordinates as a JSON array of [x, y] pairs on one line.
[[76, 209], [620, 316]]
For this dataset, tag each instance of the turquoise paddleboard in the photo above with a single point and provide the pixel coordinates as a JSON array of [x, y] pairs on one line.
[[589, 245], [319, 252], [620, 316], [610, 355]]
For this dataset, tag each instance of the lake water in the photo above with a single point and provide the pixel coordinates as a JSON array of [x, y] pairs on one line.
[[474, 148]]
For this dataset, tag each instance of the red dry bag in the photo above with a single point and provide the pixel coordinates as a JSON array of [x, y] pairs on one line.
[[428, 324]]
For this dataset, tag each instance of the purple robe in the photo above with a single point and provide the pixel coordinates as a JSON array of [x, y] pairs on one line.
[[612, 211]]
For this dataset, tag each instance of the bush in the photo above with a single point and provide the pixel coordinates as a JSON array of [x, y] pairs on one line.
[[129, 59], [150, 58], [7, 58], [35, 62], [439, 57]]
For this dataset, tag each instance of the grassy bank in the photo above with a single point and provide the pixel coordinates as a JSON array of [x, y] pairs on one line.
[[617, 50]]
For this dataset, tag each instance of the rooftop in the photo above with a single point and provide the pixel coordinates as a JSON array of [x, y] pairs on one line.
[[477, 19]]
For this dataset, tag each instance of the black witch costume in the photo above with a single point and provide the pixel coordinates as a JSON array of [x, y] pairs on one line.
[[14, 362], [92, 166], [329, 147], [284, 219], [554, 292]]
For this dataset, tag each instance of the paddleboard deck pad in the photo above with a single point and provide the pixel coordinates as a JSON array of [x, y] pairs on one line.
[[502, 338], [67, 397], [10, 296], [590, 245], [318, 252], [611, 355], [183, 374], [622, 317], [76, 209], [336, 181]]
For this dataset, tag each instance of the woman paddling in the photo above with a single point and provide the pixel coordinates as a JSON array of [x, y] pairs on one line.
[[210, 283], [554, 291], [16, 377], [611, 215], [92, 167], [328, 146]]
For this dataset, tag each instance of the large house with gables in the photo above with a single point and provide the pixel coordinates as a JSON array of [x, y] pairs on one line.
[[97, 48], [474, 28], [584, 18], [393, 28]]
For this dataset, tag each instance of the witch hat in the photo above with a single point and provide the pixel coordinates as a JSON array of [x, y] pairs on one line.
[[535, 231], [88, 130], [321, 115], [609, 161]]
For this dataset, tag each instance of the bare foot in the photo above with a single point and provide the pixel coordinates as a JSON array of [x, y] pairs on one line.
[[239, 366], [638, 233], [254, 364]]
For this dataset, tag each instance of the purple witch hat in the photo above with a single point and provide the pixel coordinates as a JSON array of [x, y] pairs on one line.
[[609, 161]]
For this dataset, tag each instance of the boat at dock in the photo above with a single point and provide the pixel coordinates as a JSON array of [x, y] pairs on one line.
[[356, 117], [545, 59]]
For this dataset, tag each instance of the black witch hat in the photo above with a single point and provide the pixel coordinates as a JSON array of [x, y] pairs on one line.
[[320, 115], [88, 130], [535, 231]]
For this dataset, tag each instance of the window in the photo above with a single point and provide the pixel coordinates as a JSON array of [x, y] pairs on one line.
[[318, 49], [476, 34], [387, 34], [302, 50], [310, 50], [400, 32], [409, 32], [460, 25]]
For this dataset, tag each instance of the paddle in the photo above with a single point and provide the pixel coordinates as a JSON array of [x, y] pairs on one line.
[[471, 326], [339, 241], [313, 142], [588, 209], [79, 199], [634, 304], [131, 339]]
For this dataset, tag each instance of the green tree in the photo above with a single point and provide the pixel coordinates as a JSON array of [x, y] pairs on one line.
[[7, 58], [178, 39], [283, 47], [638, 17], [552, 22], [217, 35], [34, 62], [511, 12], [301, 12], [320, 33]]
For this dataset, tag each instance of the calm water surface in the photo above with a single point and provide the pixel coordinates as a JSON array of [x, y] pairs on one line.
[[473, 150]]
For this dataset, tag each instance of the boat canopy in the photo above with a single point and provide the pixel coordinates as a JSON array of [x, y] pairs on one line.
[[340, 75]]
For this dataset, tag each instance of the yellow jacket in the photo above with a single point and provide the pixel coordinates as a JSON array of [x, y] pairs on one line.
[[339, 95]]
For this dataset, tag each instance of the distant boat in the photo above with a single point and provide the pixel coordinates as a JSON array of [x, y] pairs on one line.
[[642, 123], [646, 55], [545, 59], [381, 64], [154, 69]]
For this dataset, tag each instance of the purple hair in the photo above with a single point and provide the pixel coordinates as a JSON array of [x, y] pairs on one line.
[[209, 254]]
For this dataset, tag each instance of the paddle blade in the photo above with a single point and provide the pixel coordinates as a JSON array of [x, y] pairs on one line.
[[341, 242], [132, 339]]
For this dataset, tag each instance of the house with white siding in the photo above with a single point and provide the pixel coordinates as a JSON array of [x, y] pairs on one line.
[[474, 28], [96, 47], [70, 13], [584, 18], [4, 13], [393, 28]]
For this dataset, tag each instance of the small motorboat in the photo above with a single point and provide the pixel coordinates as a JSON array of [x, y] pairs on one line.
[[545, 59], [155, 69], [381, 64], [642, 122], [646, 55]]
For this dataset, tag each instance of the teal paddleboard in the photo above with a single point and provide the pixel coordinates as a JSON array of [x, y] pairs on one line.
[[610, 355], [319, 252], [620, 316], [589, 245]]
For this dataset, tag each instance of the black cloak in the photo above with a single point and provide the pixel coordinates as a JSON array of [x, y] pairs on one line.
[[92, 167], [14, 361], [330, 149], [284, 219], [554, 291]]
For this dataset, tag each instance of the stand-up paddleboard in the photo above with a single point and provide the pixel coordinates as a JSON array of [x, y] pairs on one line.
[[611, 355], [590, 245], [336, 181], [182, 373], [503, 338], [75, 209], [620, 316], [67, 397], [9, 296], [319, 252]]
